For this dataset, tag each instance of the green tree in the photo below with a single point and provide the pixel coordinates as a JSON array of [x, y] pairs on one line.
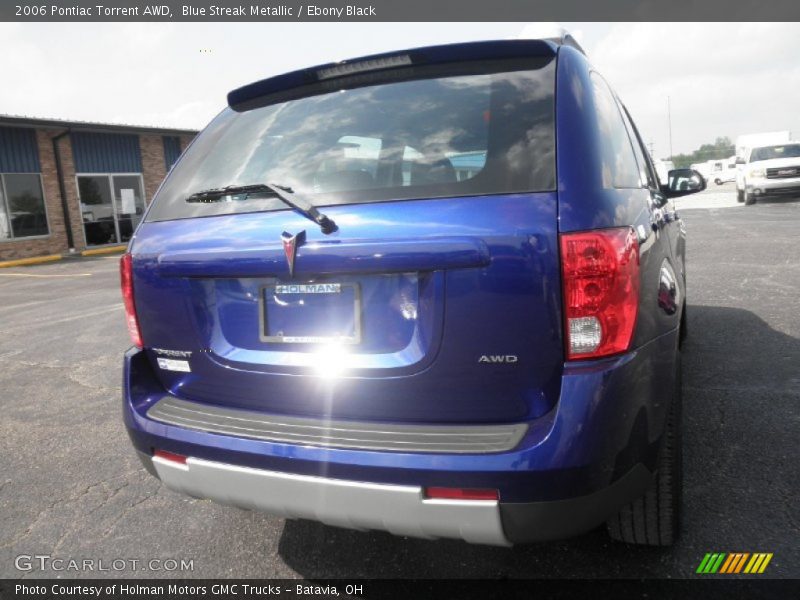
[[721, 148]]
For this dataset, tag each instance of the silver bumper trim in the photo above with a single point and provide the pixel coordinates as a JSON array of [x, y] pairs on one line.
[[401, 510], [776, 183], [445, 439]]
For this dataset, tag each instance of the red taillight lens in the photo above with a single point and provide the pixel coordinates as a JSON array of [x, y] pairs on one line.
[[178, 458], [126, 281], [444, 493], [600, 271]]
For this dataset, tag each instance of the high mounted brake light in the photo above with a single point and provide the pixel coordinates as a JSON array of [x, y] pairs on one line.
[[126, 282], [362, 66], [600, 271]]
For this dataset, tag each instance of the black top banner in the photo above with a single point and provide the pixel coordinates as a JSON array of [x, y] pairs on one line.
[[399, 10]]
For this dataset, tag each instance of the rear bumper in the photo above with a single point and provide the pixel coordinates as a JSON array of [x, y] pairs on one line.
[[398, 509], [329, 433], [574, 467]]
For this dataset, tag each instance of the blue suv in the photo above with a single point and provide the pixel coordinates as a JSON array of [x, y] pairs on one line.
[[437, 292]]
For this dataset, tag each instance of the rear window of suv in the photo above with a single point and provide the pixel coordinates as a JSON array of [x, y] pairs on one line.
[[486, 128]]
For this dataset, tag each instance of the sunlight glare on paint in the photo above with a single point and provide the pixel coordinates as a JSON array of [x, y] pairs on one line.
[[330, 360]]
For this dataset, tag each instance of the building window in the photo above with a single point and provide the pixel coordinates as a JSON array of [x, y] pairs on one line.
[[172, 150], [106, 152], [111, 206], [22, 211]]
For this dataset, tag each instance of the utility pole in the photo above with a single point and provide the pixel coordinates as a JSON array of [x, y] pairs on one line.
[[669, 119]]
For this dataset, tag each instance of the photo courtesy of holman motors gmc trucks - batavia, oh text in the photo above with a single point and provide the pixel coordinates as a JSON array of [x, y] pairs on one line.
[[438, 292]]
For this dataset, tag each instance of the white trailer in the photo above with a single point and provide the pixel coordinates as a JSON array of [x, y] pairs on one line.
[[723, 170]]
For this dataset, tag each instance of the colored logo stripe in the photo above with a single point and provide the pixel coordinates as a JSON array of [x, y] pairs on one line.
[[726, 565], [704, 564], [711, 563], [758, 563], [721, 562], [741, 562], [734, 563]]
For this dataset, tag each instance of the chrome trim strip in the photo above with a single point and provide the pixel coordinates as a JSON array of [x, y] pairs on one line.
[[446, 439], [399, 509]]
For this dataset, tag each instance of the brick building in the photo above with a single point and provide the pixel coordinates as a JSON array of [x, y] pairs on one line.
[[75, 185]]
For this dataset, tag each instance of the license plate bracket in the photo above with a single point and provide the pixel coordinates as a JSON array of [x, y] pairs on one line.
[[310, 313]]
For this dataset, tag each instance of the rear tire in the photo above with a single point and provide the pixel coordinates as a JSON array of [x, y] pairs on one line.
[[654, 519], [683, 331], [718, 181]]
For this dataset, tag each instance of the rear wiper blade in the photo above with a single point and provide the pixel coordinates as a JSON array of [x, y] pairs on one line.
[[282, 192], [214, 194]]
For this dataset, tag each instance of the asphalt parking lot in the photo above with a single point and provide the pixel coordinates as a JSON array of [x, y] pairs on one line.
[[70, 486]]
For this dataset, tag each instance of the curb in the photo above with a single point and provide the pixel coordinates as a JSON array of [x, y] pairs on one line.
[[20, 262], [35, 260], [107, 250]]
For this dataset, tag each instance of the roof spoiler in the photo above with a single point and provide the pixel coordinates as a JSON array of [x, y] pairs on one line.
[[566, 39], [295, 84]]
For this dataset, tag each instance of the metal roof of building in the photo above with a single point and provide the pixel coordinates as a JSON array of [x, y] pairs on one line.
[[24, 121]]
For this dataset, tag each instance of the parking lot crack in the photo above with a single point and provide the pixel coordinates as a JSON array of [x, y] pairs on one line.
[[73, 497], [721, 410], [69, 371], [790, 505], [124, 513]]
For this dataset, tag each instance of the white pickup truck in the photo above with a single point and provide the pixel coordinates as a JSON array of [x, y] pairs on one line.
[[772, 170]]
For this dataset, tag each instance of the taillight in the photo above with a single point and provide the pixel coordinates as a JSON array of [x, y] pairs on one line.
[[600, 271], [126, 281]]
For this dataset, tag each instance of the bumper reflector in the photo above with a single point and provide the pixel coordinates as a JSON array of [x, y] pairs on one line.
[[178, 458], [443, 493]]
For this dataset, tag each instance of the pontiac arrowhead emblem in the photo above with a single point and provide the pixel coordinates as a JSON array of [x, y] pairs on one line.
[[290, 244]]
